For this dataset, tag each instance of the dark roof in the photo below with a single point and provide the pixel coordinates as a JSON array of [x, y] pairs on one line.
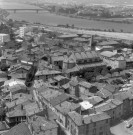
[[20, 129]]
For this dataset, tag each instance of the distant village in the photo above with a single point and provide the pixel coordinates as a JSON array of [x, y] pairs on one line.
[[83, 85]]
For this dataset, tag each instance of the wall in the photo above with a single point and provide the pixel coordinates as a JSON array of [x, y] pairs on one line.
[[51, 132]]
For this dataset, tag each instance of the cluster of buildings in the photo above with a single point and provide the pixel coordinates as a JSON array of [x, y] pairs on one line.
[[62, 100]]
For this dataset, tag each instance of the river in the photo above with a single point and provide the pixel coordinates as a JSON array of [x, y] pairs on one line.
[[53, 19]]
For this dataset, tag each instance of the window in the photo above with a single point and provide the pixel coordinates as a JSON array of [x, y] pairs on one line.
[[94, 131], [94, 124], [106, 121]]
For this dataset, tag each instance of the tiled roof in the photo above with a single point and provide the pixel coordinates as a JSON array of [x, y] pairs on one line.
[[85, 84], [121, 96], [50, 94], [95, 100], [59, 78], [3, 126], [20, 129], [103, 93], [59, 99], [76, 117], [41, 123], [99, 117], [67, 107], [31, 108], [47, 72], [105, 107]]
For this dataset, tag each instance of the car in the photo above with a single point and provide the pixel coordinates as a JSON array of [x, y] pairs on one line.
[[128, 125]]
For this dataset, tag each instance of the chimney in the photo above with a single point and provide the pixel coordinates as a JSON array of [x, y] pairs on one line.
[[83, 121], [92, 43]]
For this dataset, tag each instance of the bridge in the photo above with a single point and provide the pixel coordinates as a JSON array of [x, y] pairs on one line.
[[36, 10]]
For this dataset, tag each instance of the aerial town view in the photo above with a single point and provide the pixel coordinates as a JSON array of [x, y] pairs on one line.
[[66, 67]]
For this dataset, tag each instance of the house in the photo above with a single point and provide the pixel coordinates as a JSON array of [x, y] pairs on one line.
[[113, 107], [125, 98], [95, 100], [15, 116], [104, 93], [19, 68], [87, 89], [113, 59], [98, 124], [63, 109], [40, 125], [32, 109], [60, 80], [46, 74]]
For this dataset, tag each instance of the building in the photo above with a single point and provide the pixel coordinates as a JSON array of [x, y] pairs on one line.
[[113, 107], [94, 124], [39, 125], [4, 38], [23, 30], [113, 59], [46, 74]]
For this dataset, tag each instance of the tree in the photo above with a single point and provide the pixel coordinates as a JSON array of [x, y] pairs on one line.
[[88, 75]]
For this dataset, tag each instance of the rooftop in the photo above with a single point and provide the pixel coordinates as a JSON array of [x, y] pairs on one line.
[[59, 99], [50, 94], [20, 129], [67, 107], [40, 124]]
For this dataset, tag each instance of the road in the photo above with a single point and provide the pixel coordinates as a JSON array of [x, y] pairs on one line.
[[116, 35], [120, 129]]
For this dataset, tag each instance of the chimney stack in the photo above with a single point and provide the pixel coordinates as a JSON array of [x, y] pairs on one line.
[[92, 43]]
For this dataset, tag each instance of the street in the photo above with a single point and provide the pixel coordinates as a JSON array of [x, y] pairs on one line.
[[120, 129]]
